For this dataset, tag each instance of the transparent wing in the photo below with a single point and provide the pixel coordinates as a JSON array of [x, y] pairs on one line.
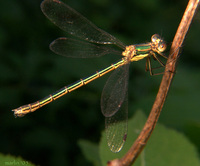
[[79, 49], [114, 91], [75, 24], [116, 127], [114, 106]]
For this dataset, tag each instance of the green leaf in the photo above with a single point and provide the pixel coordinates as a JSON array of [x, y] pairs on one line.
[[91, 151], [166, 147], [11, 160]]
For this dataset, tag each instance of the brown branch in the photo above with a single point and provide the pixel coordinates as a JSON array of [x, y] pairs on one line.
[[145, 134]]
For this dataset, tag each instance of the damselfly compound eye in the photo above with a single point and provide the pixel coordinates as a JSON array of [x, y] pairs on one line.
[[155, 38], [162, 46]]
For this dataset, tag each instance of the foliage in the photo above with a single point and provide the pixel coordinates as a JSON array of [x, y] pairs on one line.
[[166, 147]]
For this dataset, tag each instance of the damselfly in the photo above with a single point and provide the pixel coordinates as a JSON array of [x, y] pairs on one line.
[[115, 93]]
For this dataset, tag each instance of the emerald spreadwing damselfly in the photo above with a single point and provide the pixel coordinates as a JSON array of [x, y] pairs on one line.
[[93, 42]]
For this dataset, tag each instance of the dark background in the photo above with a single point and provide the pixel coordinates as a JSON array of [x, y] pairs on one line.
[[30, 71]]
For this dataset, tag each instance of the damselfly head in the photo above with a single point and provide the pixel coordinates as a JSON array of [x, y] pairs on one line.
[[159, 43]]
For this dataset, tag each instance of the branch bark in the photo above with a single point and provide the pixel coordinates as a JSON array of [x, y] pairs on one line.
[[149, 126]]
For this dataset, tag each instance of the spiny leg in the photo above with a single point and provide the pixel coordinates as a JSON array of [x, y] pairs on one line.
[[163, 55], [148, 65], [155, 56]]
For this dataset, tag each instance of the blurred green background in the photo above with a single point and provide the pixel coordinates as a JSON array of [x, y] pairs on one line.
[[30, 71]]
